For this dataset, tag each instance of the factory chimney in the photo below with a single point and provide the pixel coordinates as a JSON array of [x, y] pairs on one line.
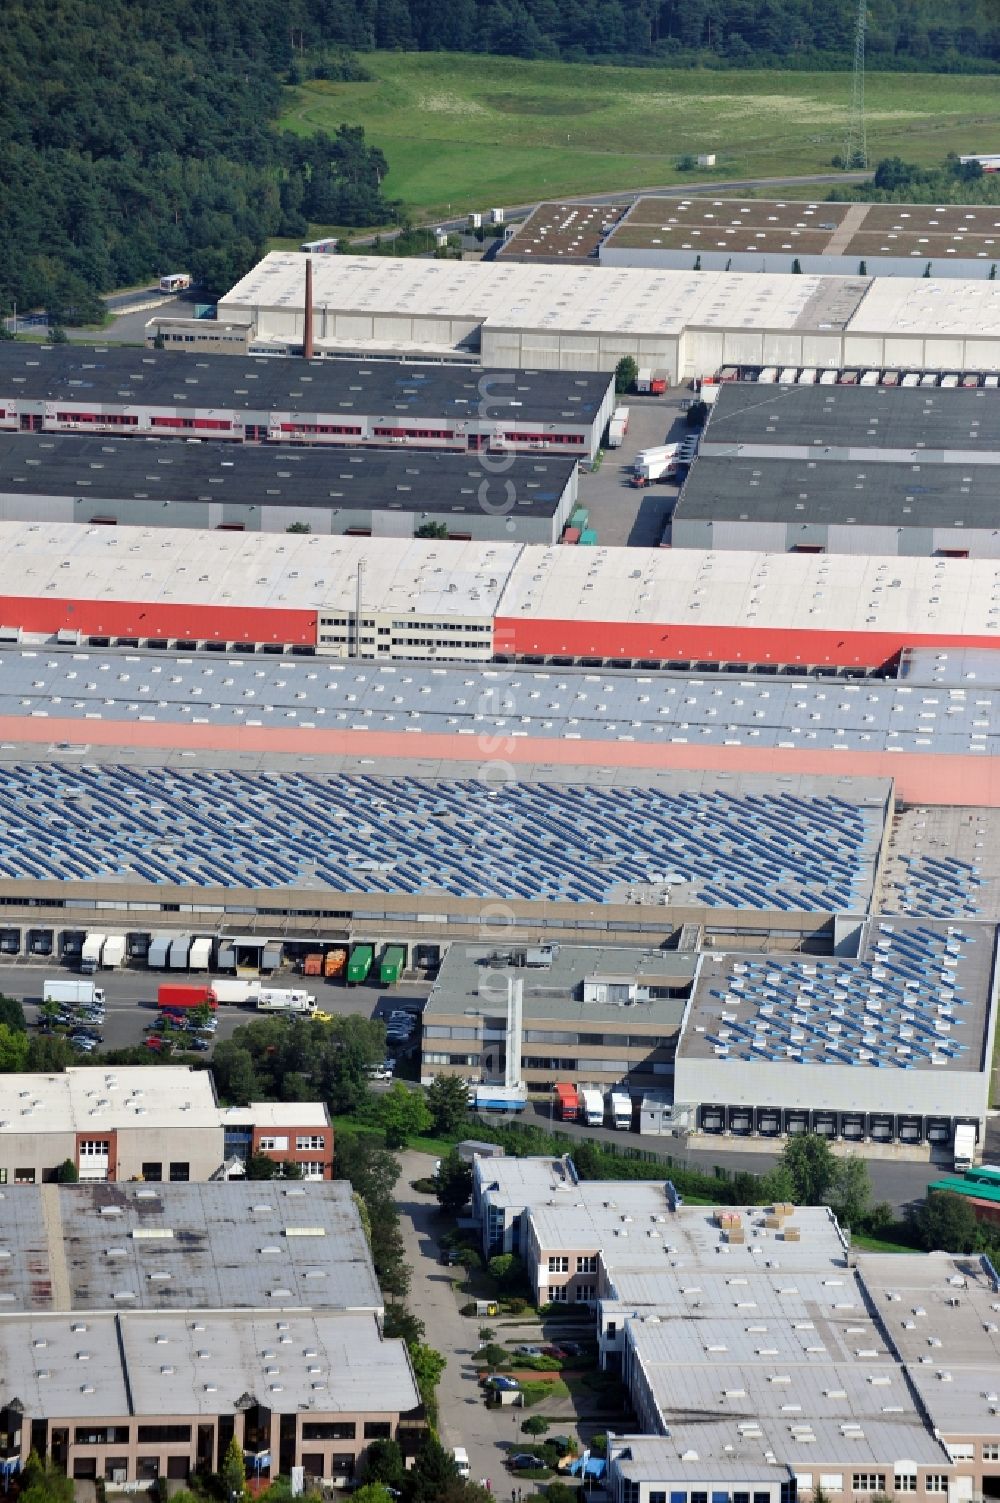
[[307, 327]]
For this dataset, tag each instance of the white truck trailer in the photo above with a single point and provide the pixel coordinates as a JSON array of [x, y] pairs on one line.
[[620, 1110], [72, 993], [593, 1106], [234, 992], [270, 999], [654, 464], [965, 1146], [90, 955], [618, 427], [113, 953]]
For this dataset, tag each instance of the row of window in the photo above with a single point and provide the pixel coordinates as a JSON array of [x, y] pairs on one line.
[[559, 1263], [296, 428], [345, 1430], [118, 1435], [278, 1142], [112, 419], [583, 1294]]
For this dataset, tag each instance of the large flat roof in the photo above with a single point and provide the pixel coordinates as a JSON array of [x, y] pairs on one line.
[[90, 1097], [888, 423], [551, 297], [938, 308], [917, 998], [804, 491], [288, 572], [215, 1246], [116, 685], [562, 232], [812, 849], [470, 979], [172, 470], [118, 375]]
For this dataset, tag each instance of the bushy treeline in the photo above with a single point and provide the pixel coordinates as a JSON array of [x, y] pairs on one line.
[[899, 182], [137, 138], [956, 35]]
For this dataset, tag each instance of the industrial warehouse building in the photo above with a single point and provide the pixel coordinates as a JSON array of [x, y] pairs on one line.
[[764, 235], [152, 1324], [563, 318], [163, 1124], [389, 598], [123, 392], [894, 1045], [170, 483], [845, 469]]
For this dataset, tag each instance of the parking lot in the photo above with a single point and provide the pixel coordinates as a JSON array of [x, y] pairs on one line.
[[620, 513], [131, 998]]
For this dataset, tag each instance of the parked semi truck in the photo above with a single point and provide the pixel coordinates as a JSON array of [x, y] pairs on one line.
[[73, 993], [234, 992], [567, 1102], [270, 999], [172, 995], [620, 1110], [654, 464], [965, 1146], [90, 955], [393, 963], [592, 1104], [360, 963]]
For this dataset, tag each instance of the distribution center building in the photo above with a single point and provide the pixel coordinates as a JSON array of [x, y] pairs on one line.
[[270, 488], [562, 317], [378, 404]]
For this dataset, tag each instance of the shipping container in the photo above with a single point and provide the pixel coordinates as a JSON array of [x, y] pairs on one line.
[[567, 1102], [571, 535], [659, 384], [393, 964], [201, 954], [180, 948], [312, 965], [588, 538], [113, 953], [333, 965], [360, 964], [579, 517], [159, 952], [172, 994]]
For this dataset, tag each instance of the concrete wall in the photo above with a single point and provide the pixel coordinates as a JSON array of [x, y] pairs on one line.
[[853, 538], [659, 258]]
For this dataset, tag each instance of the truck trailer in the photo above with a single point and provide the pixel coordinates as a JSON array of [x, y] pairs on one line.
[[90, 955], [620, 1110], [567, 1102], [72, 993], [234, 992], [965, 1146], [592, 1103], [498, 1098], [113, 952], [618, 427], [360, 963], [392, 966], [270, 999], [654, 464], [172, 996]]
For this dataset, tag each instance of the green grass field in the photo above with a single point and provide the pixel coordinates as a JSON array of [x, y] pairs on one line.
[[469, 132]]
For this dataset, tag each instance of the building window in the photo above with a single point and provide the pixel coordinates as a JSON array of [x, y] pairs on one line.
[[559, 1264], [116, 1469], [3, 1176], [273, 1145], [24, 1176], [153, 1173], [378, 1430], [868, 1482], [94, 1148], [905, 1482], [147, 1468], [936, 1482], [315, 1140], [342, 1464], [656, 1497], [312, 1169], [180, 1173], [585, 1294], [587, 1264], [101, 1435], [163, 1434], [329, 1430], [559, 1295], [630, 1491], [991, 1451], [831, 1482]]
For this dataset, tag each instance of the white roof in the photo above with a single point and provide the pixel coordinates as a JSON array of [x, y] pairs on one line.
[[286, 571], [88, 1098], [947, 307], [571, 298], [300, 1114], [821, 592]]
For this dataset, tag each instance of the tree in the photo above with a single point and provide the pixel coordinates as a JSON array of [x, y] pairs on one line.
[[448, 1104], [233, 1471], [403, 1113], [67, 1174], [432, 1473], [14, 1049], [507, 1269], [946, 1222], [57, 334], [299, 527], [535, 1424], [850, 1191], [401, 1322], [811, 1166], [626, 374], [372, 1492], [12, 1013], [428, 1367], [493, 1355], [431, 530], [453, 1183], [384, 1463], [43, 1482]]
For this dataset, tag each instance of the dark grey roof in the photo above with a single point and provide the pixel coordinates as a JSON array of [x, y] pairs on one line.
[[830, 492], [379, 479], [162, 378], [870, 417]]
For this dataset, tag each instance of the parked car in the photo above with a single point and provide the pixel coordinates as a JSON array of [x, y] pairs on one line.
[[555, 1351], [530, 1351], [523, 1461], [501, 1383], [155, 1042]]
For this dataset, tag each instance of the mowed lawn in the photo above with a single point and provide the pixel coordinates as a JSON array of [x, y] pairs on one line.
[[470, 132]]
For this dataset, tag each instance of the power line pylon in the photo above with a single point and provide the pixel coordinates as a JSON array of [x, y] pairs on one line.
[[856, 149]]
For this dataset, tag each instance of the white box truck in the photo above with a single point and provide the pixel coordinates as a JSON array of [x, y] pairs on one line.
[[654, 464], [234, 992], [620, 1110], [270, 999], [72, 993], [113, 954], [965, 1146], [593, 1106], [461, 1457], [90, 955]]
